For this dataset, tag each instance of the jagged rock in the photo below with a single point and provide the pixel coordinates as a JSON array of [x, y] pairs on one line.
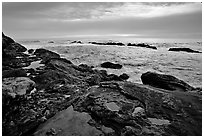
[[45, 54], [111, 65], [17, 86], [10, 48], [30, 51], [163, 81], [124, 76], [184, 49], [14, 73]]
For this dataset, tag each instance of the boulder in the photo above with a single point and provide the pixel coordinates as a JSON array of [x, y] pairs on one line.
[[111, 65], [124, 76], [30, 51], [184, 49], [17, 86], [163, 81]]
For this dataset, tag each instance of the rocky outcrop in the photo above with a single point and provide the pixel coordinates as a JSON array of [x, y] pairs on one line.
[[167, 82], [142, 45], [135, 109], [45, 54], [184, 50], [111, 65]]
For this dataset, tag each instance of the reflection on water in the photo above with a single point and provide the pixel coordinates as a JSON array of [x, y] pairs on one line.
[[159, 121], [34, 65]]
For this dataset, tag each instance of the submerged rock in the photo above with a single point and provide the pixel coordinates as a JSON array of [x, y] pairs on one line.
[[163, 81], [184, 49], [111, 65]]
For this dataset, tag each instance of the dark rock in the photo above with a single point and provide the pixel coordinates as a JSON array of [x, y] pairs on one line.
[[30, 51], [124, 76], [184, 49], [108, 43], [142, 45], [51, 42], [111, 65], [79, 42], [163, 81], [14, 73], [45, 54], [111, 77]]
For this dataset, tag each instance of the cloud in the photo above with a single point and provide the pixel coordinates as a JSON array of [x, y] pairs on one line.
[[91, 10]]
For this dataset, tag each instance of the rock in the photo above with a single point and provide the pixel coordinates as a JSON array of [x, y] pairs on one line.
[[45, 54], [30, 51], [10, 48], [124, 76], [111, 65], [51, 42], [163, 81], [108, 43], [17, 86], [138, 111], [184, 49], [14, 73], [68, 123], [79, 42], [142, 45]]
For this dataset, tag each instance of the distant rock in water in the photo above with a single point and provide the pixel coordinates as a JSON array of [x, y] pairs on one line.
[[111, 65], [163, 81], [183, 49], [108, 43], [79, 42], [142, 45], [51, 42]]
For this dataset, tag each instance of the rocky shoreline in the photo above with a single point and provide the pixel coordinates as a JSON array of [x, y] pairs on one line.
[[39, 88]]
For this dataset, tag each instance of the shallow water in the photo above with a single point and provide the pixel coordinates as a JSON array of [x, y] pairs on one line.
[[34, 65]]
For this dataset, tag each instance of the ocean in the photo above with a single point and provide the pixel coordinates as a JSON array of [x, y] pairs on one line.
[[135, 60]]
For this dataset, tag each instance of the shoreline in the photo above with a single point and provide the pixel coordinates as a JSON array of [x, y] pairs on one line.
[[58, 84]]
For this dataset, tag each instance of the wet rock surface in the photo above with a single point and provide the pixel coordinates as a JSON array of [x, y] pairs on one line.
[[184, 49], [167, 82], [57, 97]]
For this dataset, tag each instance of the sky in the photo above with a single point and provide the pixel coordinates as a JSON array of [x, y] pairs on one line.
[[97, 19]]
